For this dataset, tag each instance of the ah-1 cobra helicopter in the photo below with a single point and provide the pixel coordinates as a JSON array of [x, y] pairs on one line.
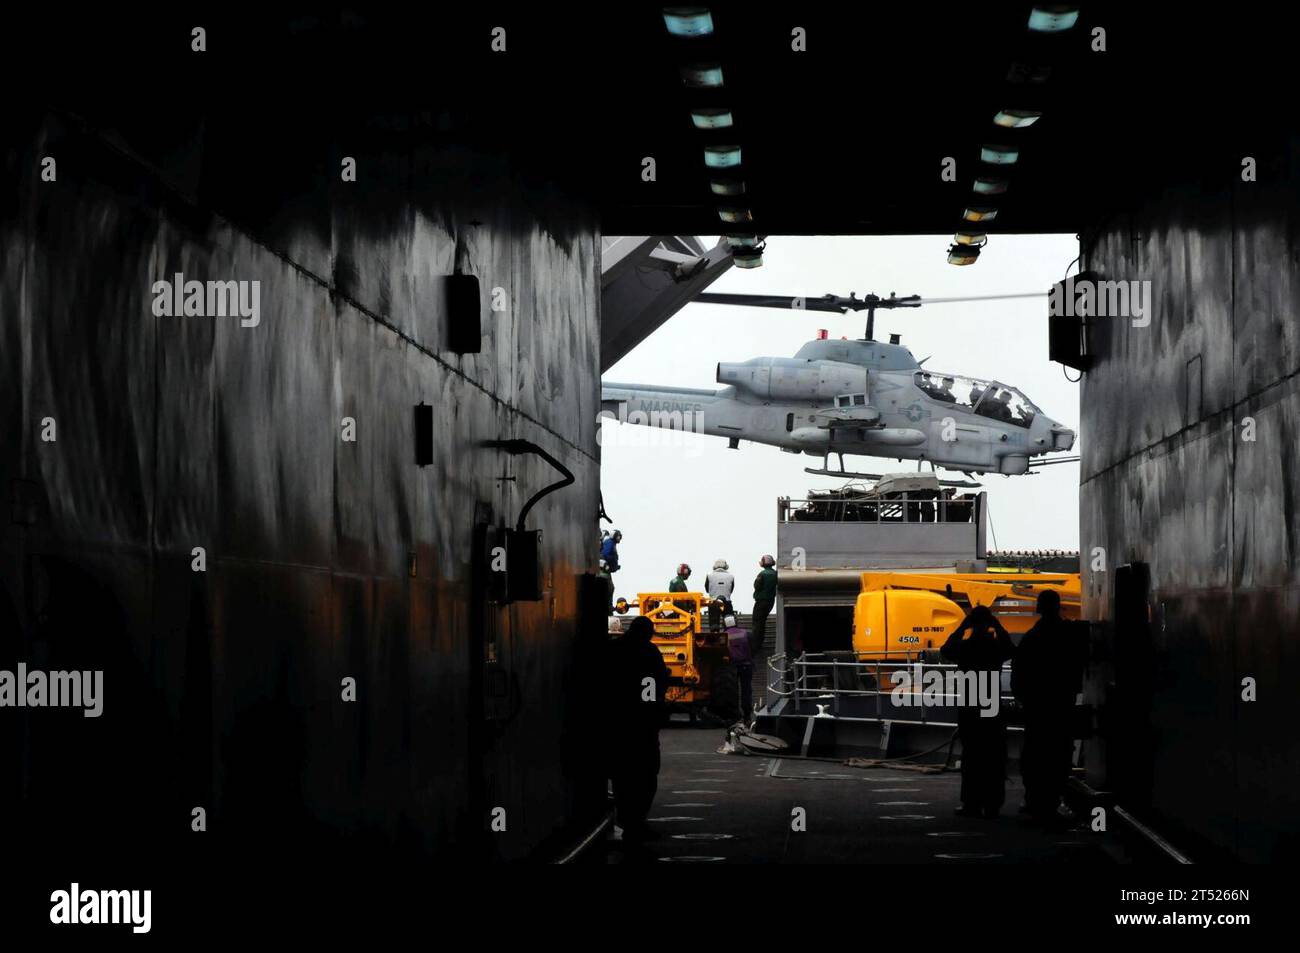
[[859, 397]]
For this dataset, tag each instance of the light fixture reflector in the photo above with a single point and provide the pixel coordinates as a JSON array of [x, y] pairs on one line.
[[688, 21], [712, 118], [963, 254], [722, 157], [1053, 18], [1016, 118], [702, 75], [999, 155]]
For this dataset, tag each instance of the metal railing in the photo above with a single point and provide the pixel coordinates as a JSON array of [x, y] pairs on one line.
[[867, 685], [901, 510]]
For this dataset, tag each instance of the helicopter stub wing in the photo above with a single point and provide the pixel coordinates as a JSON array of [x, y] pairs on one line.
[[834, 417]]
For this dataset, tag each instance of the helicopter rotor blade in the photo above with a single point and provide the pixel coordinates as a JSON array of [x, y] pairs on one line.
[[1029, 294], [828, 303], [835, 304]]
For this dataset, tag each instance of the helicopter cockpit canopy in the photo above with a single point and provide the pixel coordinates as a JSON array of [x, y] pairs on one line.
[[987, 398]]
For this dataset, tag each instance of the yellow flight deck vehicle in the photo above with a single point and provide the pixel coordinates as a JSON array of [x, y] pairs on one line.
[[901, 615], [699, 678]]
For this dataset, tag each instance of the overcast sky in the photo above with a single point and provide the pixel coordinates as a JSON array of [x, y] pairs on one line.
[[697, 501]]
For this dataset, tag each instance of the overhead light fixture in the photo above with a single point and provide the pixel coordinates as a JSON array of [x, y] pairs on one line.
[[742, 241], [980, 213], [712, 118], [722, 157], [688, 21], [987, 186], [735, 215], [963, 254], [702, 75], [1053, 18], [1027, 73], [752, 258], [999, 155], [727, 187], [1016, 118], [971, 238]]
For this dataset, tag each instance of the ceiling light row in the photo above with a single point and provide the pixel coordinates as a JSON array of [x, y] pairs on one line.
[[692, 23], [1047, 18]]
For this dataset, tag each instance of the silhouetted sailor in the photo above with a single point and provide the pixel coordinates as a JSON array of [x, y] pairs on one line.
[[635, 682], [1046, 675], [983, 737], [742, 660], [608, 582]]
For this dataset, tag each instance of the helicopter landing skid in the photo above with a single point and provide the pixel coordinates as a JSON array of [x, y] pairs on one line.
[[841, 473], [851, 475], [846, 474], [825, 470]]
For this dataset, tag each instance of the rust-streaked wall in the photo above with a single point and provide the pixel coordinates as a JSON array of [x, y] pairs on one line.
[[223, 688], [1169, 480]]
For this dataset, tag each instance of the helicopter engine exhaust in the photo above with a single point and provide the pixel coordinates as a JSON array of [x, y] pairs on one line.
[[785, 378]]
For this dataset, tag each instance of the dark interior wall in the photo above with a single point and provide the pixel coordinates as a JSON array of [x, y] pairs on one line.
[[222, 689], [1169, 480]]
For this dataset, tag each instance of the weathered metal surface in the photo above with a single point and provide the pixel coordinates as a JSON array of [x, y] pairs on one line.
[[223, 688], [1171, 479], [641, 286]]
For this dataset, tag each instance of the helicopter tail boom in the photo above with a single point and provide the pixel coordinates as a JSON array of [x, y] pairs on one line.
[[668, 408]]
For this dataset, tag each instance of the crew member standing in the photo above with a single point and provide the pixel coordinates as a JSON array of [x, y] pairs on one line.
[[983, 736], [739, 649], [764, 599], [718, 584], [679, 581], [1046, 676], [635, 681], [608, 581], [609, 550]]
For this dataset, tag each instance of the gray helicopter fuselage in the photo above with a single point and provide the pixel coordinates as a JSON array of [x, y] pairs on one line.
[[853, 397]]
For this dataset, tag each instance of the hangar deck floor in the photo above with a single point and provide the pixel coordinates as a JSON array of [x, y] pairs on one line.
[[717, 808]]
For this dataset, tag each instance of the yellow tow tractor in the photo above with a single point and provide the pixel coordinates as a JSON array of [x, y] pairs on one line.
[[900, 615], [700, 679]]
